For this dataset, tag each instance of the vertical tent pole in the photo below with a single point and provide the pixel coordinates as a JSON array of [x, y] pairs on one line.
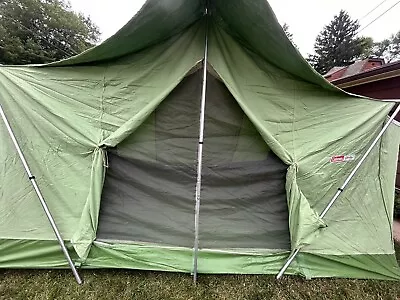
[[341, 189], [200, 154], [40, 196]]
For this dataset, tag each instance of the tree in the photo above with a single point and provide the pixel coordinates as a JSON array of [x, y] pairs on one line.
[[388, 48], [285, 28], [365, 47], [379, 48], [337, 44], [41, 31]]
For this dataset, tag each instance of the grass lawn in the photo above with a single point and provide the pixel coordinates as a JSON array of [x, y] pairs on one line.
[[126, 284]]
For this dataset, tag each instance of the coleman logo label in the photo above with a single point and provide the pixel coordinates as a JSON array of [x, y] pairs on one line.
[[341, 158]]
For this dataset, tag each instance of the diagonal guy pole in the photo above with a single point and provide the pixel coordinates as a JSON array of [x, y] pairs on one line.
[[341, 189], [40, 196]]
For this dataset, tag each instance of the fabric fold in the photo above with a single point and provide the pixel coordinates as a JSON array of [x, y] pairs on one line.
[[85, 234]]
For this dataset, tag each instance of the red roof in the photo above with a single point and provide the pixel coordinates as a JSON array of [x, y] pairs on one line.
[[357, 67]]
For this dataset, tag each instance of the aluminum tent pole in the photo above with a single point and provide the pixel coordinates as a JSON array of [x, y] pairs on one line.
[[200, 154], [341, 189], [40, 196]]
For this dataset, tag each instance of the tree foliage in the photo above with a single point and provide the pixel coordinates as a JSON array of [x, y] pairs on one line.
[[337, 44], [41, 31], [396, 210], [389, 49], [285, 28], [366, 45]]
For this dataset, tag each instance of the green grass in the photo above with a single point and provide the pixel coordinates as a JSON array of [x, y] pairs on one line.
[[125, 284]]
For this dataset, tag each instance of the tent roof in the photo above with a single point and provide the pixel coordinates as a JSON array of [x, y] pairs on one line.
[[253, 23]]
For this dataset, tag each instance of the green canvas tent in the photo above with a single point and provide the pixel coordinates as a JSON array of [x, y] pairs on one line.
[[111, 138]]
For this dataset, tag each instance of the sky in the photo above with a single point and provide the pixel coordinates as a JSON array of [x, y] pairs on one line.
[[306, 18]]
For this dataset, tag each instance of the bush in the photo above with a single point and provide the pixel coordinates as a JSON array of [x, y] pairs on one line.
[[397, 205]]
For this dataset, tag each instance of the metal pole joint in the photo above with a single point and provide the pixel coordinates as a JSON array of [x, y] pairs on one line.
[[200, 153]]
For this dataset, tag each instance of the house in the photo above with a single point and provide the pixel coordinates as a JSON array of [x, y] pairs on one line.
[[357, 67], [372, 78]]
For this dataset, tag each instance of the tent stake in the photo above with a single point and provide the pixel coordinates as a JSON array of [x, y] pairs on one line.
[[200, 155], [40, 196], [341, 189]]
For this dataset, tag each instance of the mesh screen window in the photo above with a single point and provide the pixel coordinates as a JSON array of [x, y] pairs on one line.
[[149, 191]]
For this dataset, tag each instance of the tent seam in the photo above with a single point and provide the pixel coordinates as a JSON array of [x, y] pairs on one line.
[[293, 126], [102, 104]]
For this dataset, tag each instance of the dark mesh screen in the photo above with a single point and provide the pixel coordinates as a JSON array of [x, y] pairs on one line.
[[149, 190]]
